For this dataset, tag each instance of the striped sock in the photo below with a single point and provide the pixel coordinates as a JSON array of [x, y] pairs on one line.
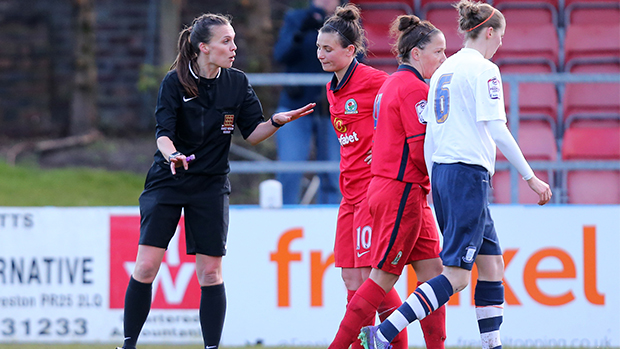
[[391, 302], [425, 299], [489, 300], [434, 328]]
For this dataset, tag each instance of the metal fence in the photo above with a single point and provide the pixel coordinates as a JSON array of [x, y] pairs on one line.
[[558, 166]]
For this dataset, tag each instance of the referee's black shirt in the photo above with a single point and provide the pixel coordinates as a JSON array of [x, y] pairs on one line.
[[203, 125]]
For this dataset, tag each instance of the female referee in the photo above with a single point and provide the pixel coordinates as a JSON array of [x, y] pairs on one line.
[[403, 223], [466, 119], [201, 101]]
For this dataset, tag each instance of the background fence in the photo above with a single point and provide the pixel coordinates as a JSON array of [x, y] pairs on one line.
[[558, 167]]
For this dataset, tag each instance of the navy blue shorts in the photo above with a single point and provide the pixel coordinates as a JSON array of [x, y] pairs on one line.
[[204, 200], [460, 195]]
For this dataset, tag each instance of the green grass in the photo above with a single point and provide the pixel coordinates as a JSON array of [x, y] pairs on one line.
[[92, 346], [32, 186], [144, 346], [140, 346], [194, 346]]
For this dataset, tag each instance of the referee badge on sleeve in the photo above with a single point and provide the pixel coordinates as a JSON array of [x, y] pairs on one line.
[[494, 88], [229, 123]]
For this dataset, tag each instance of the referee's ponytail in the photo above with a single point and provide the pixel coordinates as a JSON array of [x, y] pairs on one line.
[[189, 39]]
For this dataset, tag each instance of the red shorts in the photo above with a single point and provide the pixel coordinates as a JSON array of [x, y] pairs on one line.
[[404, 225], [353, 235]]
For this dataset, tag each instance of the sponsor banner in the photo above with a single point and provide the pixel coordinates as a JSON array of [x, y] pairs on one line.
[[54, 272], [561, 263], [64, 271]]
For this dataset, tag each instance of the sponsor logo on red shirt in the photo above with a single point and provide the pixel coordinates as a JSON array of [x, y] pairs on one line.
[[339, 125], [345, 139]]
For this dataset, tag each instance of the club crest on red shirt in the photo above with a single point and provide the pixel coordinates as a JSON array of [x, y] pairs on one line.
[[350, 106]]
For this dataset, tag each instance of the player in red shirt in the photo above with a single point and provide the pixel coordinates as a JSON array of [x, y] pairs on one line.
[[403, 221], [351, 95], [405, 231]]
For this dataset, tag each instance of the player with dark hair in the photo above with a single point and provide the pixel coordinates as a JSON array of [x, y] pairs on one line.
[[404, 228], [351, 94], [201, 101], [466, 120]]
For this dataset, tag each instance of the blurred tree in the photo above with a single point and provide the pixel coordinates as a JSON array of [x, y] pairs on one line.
[[84, 105], [259, 33], [170, 19]]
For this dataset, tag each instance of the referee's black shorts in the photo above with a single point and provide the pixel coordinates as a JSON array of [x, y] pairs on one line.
[[205, 201]]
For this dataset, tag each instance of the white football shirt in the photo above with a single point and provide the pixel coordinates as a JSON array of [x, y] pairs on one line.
[[464, 92]]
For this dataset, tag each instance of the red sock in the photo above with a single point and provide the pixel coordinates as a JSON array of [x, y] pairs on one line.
[[350, 294], [360, 310], [390, 303], [357, 344], [434, 328]]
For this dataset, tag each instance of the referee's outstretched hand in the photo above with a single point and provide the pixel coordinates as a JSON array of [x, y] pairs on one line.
[[288, 116], [541, 188]]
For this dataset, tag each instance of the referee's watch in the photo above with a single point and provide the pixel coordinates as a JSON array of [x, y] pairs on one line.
[[174, 155], [274, 123]]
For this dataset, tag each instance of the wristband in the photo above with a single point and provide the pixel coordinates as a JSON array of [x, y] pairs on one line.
[[174, 155], [274, 123]]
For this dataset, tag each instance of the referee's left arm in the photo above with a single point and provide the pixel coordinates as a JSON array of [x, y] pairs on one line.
[[266, 129]]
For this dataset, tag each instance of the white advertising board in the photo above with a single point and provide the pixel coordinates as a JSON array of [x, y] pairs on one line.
[[63, 274]]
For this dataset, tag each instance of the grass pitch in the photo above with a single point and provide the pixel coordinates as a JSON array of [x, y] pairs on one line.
[[111, 346], [33, 186]]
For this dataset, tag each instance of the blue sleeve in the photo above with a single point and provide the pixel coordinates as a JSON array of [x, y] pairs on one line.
[[289, 41], [168, 103]]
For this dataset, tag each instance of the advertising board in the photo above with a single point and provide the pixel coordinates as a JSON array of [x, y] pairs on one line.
[[64, 271]]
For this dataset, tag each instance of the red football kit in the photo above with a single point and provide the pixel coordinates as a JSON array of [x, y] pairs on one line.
[[402, 223], [402, 220], [351, 106]]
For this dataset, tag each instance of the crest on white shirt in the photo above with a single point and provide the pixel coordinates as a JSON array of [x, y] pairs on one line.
[[494, 88]]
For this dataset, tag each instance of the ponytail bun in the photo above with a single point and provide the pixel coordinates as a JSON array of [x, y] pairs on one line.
[[406, 23], [468, 9], [346, 23], [348, 13], [474, 16], [409, 32]]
